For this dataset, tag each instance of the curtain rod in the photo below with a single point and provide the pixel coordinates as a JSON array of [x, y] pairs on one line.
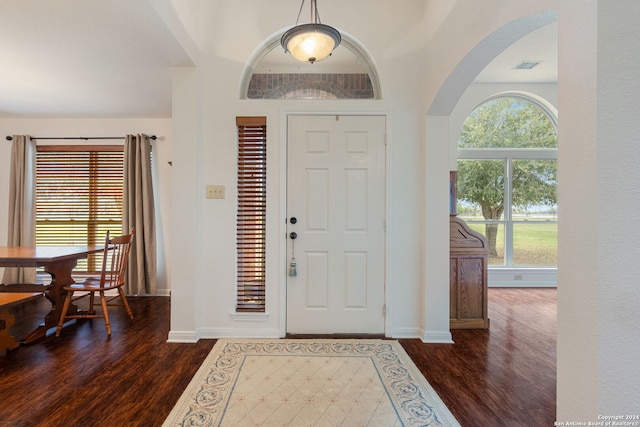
[[10, 138]]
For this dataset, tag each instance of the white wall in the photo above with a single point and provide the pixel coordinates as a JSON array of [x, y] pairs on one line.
[[598, 251], [48, 127]]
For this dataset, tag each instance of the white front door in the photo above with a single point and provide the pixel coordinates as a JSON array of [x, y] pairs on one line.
[[336, 193]]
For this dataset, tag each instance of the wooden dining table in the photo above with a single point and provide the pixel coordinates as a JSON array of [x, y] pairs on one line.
[[59, 262]]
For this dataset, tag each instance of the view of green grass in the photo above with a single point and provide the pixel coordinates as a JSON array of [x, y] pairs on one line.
[[533, 244]]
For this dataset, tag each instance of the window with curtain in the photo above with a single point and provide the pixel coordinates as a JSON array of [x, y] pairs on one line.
[[79, 196], [251, 214]]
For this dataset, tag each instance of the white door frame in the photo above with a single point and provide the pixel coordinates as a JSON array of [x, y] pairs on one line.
[[283, 240]]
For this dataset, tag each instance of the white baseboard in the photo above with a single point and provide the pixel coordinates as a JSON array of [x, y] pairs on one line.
[[406, 333], [435, 337], [215, 333], [183, 337]]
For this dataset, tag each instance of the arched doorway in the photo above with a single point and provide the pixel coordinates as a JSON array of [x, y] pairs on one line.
[[439, 138]]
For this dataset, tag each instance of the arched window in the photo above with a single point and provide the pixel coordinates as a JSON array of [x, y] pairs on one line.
[[507, 180], [348, 74]]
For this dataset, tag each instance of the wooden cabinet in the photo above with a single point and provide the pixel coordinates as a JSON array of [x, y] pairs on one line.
[[468, 257]]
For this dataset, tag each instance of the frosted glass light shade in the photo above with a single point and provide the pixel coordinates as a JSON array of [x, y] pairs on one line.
[[311, 42]]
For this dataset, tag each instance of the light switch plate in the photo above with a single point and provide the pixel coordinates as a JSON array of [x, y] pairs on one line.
[[215, 191]]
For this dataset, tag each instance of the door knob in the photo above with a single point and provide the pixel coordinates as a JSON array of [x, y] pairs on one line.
[[293, 235], [293, 220]]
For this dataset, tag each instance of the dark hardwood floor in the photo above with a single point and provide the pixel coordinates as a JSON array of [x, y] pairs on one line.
[[505, 376]]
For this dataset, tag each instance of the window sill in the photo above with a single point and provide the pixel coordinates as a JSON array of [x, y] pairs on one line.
[[250, 317]]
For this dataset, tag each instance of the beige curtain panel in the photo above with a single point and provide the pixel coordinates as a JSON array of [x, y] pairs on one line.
[[22, 205], [139, 212]]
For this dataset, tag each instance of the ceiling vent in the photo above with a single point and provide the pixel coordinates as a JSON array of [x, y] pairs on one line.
[[527, 65]]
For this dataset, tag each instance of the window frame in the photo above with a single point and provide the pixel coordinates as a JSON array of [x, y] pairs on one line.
[[508, 155], [251, 216], [96, 225]]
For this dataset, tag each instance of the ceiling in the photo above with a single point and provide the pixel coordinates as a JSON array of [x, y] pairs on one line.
[[73, 58], [540, 46], [77, 59]]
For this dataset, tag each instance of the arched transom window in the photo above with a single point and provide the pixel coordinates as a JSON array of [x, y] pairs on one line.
[[347, 74]]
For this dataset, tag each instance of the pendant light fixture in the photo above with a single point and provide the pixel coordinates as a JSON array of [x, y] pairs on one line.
[[310, 42]]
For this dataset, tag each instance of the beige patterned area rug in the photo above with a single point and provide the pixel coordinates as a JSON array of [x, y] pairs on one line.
[[309, 383]]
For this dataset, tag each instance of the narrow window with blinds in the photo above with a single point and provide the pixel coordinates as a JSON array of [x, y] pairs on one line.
[[79, 196], [252, 213]]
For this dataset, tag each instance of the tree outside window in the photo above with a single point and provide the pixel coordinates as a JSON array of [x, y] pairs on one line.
[[507, 184]]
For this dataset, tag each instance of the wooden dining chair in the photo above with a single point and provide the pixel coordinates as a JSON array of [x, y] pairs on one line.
[[112, 277]]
